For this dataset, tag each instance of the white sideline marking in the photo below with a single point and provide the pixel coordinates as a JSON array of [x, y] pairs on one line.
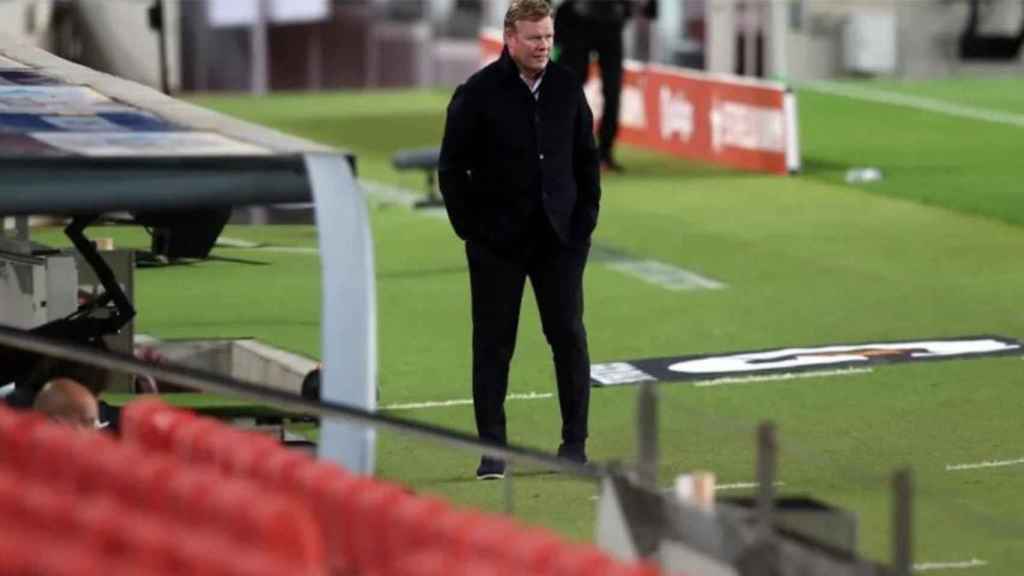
[[289, 249], [546, 395], [661, 274], [246, 245], [742, 485], [665, 275], [236, 243], [985, 464], [390, 194], [963, 565], [918, 102], [774, 377], [734, 486], [464, 401]]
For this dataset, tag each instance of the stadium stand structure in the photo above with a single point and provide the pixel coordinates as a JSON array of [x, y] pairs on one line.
[[79, 143]]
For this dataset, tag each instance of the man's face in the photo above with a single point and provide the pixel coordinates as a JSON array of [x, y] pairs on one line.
[[529, 44]]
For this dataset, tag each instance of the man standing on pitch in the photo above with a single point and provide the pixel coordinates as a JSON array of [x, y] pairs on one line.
[[520, 178]]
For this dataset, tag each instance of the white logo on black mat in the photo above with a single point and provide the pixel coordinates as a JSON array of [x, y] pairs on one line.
[[802, 358], [615, 373]]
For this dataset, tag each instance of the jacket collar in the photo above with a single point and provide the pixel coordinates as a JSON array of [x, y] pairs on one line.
[[511, 72], [507, 64]]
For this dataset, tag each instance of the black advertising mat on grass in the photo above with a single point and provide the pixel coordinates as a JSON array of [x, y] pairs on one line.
[[791, 360]]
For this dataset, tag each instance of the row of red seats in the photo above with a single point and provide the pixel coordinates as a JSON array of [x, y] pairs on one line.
[[370, 527], [130, 506]]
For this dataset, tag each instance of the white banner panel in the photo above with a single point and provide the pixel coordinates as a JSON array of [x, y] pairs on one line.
[[56, 100], [148, 144], [227, 13]]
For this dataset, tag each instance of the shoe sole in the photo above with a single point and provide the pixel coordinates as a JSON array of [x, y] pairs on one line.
[[491, 476]]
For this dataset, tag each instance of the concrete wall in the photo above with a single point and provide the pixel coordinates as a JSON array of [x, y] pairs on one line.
[[26, 21], [926, 35], [117, 39]]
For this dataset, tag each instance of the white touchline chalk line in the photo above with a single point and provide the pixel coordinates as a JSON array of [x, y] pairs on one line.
[[229, 242], [919, 103], [733, 486], [774, 377], [226, 242], [961, 565], [464, 401], [984, 464], [742, 485], [545, 395], [668, 276]]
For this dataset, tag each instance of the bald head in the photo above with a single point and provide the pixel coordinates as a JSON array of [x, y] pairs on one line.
[[65, 400]]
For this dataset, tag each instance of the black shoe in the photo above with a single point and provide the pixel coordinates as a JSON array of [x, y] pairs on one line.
[[490, 469], [572, 451]]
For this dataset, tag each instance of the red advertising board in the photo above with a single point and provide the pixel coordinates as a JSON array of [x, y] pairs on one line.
[[718, 118]]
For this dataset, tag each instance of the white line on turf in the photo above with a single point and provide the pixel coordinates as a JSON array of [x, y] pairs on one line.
[[289, 249], [963, 565], [985, 464], [464, 401], [774, 377], [546, 395], [917, 102], [734, 486], [665, 275], [227, 242], [742, 485]]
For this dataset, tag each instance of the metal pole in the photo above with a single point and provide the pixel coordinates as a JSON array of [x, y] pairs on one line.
[[258, 48], [159, 19], [21, 228], [902, 535], [767, 455], [510, 501], [647, 434]]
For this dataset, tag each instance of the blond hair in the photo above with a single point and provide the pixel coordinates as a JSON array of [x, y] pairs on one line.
[[528, 10]]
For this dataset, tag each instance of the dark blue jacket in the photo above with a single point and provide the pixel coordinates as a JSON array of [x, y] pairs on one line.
[[505, 155]]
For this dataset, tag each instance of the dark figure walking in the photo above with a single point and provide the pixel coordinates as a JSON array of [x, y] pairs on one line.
[[520, 178], [583, 27]]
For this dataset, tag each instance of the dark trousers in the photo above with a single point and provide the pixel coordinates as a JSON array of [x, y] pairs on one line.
[[496, 283], [578, 40]]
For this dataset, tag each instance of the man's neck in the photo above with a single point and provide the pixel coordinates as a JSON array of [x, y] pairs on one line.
[[530, 77]]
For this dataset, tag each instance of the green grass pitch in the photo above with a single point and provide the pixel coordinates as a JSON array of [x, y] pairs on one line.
[[932, 250]]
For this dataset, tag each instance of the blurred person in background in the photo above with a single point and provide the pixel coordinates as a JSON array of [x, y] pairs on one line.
[[68, 402], [585, 27], [520, 179], [71, 376]]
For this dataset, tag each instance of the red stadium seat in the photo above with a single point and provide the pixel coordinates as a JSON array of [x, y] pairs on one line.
[[408, 523], [533, 551], [580, 560]]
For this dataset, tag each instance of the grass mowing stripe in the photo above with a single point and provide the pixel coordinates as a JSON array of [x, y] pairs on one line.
[[917, 102]]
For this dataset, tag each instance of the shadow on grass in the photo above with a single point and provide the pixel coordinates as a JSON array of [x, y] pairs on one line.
[[818, 167]]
